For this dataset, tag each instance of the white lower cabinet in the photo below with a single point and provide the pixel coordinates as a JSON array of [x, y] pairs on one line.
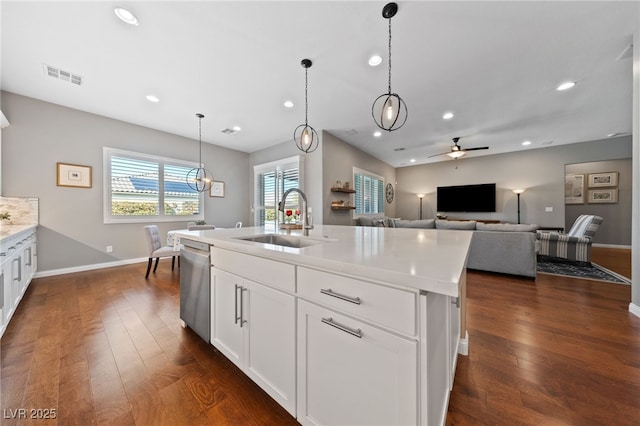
[[18, 265], [254, 326], [352, 373]]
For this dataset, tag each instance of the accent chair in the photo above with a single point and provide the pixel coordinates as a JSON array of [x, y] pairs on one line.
[[575, 245]]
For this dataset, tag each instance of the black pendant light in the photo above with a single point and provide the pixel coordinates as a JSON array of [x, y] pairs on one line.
[[304, 135], [199, 179], [389, 110]]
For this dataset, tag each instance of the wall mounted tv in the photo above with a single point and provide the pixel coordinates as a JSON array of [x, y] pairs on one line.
[[467, 198]]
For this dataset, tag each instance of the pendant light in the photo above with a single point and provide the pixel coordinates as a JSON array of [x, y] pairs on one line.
[[199, 179], [389, 110], [304, 135]]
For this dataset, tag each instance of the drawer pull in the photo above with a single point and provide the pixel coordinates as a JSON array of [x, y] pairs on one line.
[[331, 293], [329, 321]]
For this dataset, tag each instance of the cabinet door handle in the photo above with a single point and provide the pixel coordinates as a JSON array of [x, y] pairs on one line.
[[329, 292], [332, 323], [235, 302], [242, 320], [456, 302], [28, 263], [19, 260]]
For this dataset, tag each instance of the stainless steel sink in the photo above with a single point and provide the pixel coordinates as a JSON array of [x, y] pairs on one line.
[[281, 240]]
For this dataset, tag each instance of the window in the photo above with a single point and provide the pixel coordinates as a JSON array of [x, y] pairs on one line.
[[148, 188], [271, 182], [369, 197]]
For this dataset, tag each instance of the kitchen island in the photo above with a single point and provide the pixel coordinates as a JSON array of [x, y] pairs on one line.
[[351, 325]]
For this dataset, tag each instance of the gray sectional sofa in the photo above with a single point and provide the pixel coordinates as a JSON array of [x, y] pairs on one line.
[[495, 247]]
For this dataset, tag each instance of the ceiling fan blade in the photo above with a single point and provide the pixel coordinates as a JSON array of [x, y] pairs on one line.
[[437, 155], [476, 149]]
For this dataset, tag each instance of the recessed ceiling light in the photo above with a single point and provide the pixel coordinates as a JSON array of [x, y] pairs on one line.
[[288, 104], [377, 133], [566, 86], [153, 99], [447, 116], [526, 143], [413, 160], [375, 60], [236, 128], [126, 16]]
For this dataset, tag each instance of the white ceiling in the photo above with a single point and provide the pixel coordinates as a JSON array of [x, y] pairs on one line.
[[494, 64]]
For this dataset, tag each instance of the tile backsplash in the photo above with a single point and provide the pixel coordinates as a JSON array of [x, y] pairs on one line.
[[24, 211]]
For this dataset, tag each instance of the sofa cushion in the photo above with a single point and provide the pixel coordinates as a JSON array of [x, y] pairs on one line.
[[423, 223], [455, 224], [507, 227]]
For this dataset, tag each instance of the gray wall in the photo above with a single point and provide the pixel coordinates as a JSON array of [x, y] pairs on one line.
[[539, 171], [72, 232], [616, 227], [338, 160]]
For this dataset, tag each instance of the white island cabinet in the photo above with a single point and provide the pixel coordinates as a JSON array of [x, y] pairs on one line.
[[355, 325], [253, 324]]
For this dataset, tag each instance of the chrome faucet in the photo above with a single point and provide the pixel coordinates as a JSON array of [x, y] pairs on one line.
[[305, 213]]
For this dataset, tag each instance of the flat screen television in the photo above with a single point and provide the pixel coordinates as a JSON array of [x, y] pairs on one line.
[[467, 198]]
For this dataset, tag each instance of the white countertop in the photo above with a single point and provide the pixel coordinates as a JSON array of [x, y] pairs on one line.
[[7, 231], [430, 260]]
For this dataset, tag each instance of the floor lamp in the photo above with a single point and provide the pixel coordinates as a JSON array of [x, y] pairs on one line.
[[518, 192], [421, 196]]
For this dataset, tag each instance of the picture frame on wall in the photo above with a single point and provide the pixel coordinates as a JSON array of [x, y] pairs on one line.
[[73, 175], [603, 196], [217, 189], [597, 180], [574, 189]]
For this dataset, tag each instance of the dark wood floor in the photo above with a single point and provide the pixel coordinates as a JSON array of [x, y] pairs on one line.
[[106, 347]]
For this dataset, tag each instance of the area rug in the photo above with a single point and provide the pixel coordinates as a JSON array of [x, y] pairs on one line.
[[554, 266]]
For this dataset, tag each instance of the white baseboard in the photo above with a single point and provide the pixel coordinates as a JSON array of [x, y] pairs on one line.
[[463, 345], [634, 309], [62, 271]]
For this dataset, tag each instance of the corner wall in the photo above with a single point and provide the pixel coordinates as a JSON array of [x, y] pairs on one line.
[[338, 160]]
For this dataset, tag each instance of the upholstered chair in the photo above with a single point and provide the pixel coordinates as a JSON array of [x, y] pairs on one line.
[[574, 245], [157, 249]]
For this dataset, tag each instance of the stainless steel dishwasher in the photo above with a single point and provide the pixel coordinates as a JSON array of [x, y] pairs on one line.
[[195, 289]]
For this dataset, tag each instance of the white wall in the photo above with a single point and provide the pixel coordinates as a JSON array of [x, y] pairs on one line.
[[539, 171], [72, 232]]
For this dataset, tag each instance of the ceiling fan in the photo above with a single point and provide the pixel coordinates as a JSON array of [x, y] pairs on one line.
[[457, 151]]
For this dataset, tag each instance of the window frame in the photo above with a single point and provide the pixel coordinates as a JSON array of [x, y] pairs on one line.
[[362, 172], [277, 167], [108, 218]]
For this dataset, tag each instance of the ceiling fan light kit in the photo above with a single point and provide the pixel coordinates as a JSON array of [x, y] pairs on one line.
[[305, 136], [457, 151], [199, 179], [389, 110]]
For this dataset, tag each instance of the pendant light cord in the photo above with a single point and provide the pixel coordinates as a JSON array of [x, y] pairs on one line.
[[389, 55], [200, 139], [306, 102]]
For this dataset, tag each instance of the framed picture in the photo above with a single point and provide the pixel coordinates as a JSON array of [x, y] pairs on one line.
[[574, 189], [217, 189], [73, 175], [597, 180], [603, 196]]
